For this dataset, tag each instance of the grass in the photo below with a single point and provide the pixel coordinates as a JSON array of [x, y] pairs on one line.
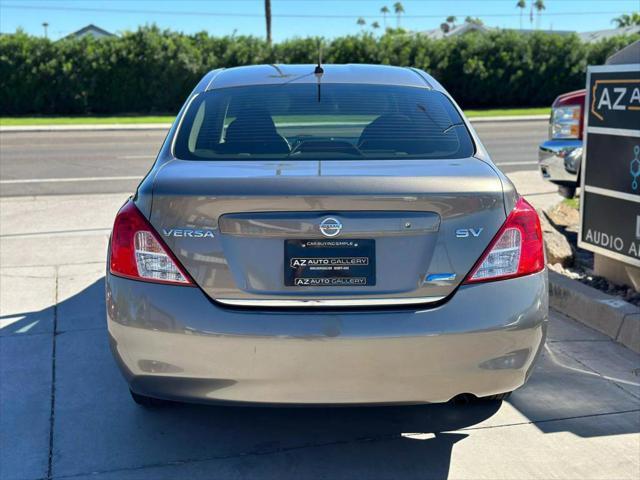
[[572, 202], [498, 112], [32, 121], [132, 119]]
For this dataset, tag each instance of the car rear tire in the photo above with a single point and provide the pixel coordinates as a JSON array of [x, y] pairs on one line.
[[147, 402], [566, 192]]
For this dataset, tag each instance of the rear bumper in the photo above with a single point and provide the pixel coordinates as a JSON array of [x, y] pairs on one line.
[[173, 342], [559, 161]]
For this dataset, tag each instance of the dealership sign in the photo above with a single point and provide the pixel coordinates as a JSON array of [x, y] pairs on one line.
[[610, 206]]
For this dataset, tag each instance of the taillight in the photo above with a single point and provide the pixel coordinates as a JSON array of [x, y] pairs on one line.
[[516, 250], [138, 252]]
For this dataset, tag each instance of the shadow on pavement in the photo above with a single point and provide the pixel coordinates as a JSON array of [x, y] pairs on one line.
[[98, 428]]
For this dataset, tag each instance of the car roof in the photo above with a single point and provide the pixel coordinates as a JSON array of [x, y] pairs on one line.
[[333, 73]]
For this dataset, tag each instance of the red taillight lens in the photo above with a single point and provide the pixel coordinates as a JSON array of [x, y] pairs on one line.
[[138, 252], [516, 250]]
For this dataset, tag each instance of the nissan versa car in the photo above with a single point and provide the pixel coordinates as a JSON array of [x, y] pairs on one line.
[[324, 235]]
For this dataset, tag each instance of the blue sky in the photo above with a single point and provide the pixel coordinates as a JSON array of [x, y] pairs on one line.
[[293, 18]]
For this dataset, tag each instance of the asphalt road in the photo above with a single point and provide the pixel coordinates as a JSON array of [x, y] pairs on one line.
[[47, 163]]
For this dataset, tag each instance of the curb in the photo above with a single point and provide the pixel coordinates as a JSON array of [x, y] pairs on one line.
[[166, 126], [617, 319]]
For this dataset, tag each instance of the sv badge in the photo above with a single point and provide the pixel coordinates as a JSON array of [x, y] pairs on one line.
[[468, 232]]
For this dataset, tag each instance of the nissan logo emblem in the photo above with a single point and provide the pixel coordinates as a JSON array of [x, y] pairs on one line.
[[330, 227]]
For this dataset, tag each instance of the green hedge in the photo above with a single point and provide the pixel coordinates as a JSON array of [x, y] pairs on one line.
[[152, 71]]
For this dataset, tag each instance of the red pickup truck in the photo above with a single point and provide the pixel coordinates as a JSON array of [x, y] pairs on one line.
[[560, 156]]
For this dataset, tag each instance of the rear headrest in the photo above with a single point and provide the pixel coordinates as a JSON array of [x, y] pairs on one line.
[[386, 128], [252, 126]]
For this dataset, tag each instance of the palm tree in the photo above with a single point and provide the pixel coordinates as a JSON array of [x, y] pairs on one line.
[[375, 25], [627, 20], [267, 16], [384, 11], [452, 20], [531, 16], [361, 21], [521, 5], [474, 20], [539, 6], [398, 9]]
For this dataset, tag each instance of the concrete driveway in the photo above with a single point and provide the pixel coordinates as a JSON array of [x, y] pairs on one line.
[[65, 412]]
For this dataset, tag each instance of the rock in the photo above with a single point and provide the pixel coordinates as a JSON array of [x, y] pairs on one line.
[[557, 246], [564, 215]]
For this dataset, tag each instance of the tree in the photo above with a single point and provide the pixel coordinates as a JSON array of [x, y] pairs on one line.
[[361, 21], [385, 11], [539, 6], [474, 20], [449, 24], [267, 16], [521, 5], [398, 10], [627, 20], [375, 25]]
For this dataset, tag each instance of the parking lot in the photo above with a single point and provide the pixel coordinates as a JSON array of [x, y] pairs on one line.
[[65, 411]]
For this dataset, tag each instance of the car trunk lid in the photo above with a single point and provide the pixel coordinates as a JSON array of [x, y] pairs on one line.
[[416, 226]]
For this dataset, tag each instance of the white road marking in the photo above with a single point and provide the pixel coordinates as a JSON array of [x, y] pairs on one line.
[[6, 145], [68, 179], [60, 233]]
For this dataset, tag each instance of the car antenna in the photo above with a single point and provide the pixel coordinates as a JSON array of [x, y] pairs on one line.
[[319, 71]]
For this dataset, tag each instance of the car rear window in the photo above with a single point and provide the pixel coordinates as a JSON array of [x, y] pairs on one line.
[[322, 121]]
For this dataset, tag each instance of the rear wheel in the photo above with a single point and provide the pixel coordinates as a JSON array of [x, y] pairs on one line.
[[145, 401]]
